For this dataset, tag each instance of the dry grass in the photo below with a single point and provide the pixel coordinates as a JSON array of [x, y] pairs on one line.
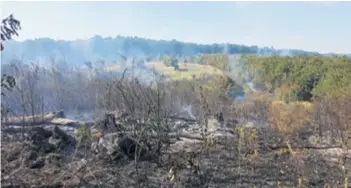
[[333, 117], [113, 68], [186, 72], [289, 117], [254, 107], [282, 117]]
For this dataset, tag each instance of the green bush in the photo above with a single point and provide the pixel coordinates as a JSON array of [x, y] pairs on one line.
[[83, 132]]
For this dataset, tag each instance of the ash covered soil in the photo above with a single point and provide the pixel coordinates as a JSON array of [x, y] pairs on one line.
[[234, 156]]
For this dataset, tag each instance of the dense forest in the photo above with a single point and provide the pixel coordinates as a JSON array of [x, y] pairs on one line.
[[301, 77]]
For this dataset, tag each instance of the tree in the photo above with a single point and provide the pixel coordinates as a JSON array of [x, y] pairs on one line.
[[220, 61], [149, 58], [89, 64], [9, 27], [174, 63], [171, 61]]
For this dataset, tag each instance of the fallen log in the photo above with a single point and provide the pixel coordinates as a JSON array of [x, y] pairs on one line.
[[286, 146], [181, 118], [34, 120], [65, 122]]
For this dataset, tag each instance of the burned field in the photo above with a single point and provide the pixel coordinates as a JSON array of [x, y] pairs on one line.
[[241, 156], [170, 114], [182, 133]]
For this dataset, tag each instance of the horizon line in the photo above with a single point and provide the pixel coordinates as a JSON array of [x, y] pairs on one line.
[[170, 40]]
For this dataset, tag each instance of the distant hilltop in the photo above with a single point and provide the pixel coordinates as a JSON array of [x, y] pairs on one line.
[[77, 52]]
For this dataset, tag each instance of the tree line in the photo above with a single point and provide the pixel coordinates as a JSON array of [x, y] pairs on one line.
[[109, 49]]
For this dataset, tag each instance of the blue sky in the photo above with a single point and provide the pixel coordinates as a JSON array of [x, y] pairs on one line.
[[315, 26]]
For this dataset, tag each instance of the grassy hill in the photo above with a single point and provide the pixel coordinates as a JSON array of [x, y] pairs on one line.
[[187, 71], [211, 78]]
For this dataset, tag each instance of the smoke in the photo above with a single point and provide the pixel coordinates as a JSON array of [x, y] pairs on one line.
[[239, 99], [240, 75], [285, 52], [187, 109], [265, 52], [139, 70], [226, 48], [249, 83]]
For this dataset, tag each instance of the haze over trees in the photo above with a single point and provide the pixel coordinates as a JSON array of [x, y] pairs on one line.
[[97, 48]]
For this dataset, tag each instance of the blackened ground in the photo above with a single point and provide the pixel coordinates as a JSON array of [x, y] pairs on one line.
[[260, 160]]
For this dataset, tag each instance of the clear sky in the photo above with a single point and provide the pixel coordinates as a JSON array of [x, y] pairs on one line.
[[314, 26]]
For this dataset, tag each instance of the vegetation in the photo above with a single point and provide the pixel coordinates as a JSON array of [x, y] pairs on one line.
[[9, 28], [210, 74], [302, 77], [83, 133], [171, 62], [287, 118], [220, 61], [186, 71]]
